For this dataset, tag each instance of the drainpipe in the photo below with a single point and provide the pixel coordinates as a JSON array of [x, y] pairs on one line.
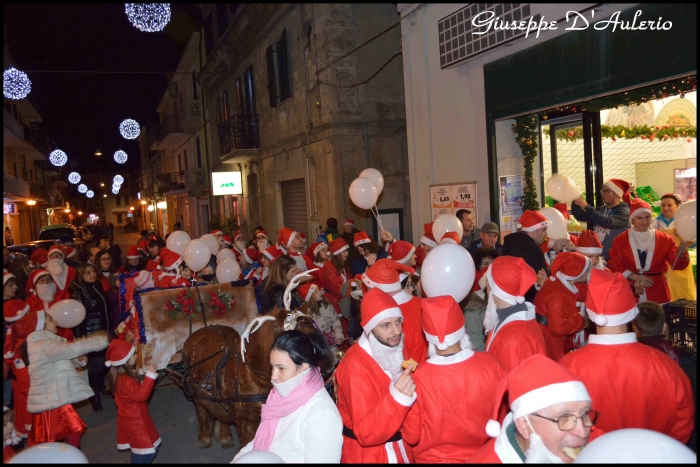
[[309, 124], [206, 134]]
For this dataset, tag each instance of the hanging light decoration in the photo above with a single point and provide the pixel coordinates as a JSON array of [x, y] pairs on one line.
[[118, 179], [58, 158], [120, 157], [129, 129], [115, 190], [116, 186], [148, 17], [90, 194], [15, 84], [74, 178], [82, 188]]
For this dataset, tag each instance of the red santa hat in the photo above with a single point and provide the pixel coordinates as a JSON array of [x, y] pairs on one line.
[[349, 222], [217, 232], [532, 220], [238, 234], [589, 243], [34, 277], [384, 275], [307, 290], [443, 321], [14, 310], [272, 253], [400, 251], [228, 241], [610, 300], [377, 306], [420, 256], [563, 209], [40, 257], [263, 233], [6, 276], [169, 259], [428, 237], [315, 248], [285, 237], [57, 248], [536, 383], [119, 352], [70, 252], [450, 237], [338, 246], [250, 255], [510, 278], [620, 187], [142, 246], [569, 266], [24, 326], [144, 280], [360, 238], [639, 207], [133, 253]]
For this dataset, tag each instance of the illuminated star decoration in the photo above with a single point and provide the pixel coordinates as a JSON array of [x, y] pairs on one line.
[[15, 84], [118, 179], [115, 190], [58, 158], [129, 129], [148, 17], [74, 178], [120, 157], [82, 188], [90, 194]]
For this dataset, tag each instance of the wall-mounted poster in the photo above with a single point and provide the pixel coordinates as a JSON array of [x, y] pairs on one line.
[[511, 202], [686, 183], [450, 198]]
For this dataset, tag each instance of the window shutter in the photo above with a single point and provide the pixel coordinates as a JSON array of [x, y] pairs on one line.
[[271, 81], [283, 66], [294, 207]]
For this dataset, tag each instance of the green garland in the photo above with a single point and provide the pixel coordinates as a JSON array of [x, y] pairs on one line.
[[525, 129], [664, 133]]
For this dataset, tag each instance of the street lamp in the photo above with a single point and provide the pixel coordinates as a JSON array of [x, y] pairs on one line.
[[144, 202], [104, 196], [98, 152], [102, 184], [80, 213], [31, 202], [131, 208]]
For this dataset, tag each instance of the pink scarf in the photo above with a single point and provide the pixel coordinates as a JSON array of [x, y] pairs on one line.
[[277, 407]]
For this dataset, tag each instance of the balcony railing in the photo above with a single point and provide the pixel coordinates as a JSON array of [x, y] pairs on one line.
[[170, 182], [15, 186], [158, 133], [196, 179], [39, 193], [191, 115], [240, 132]]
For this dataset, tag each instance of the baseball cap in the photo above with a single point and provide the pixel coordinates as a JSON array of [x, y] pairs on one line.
[[490, 227]]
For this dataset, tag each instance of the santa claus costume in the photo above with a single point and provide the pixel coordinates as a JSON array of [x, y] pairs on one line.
[[219, 234], [513, 334], [135, 428], [22, 324], [428, 240], [286, 237], [557, 306], [647, 253], [384, 274], [446, 424], [450, 237], [62, 274], [39, 260], [170, 261], [331, 278], [633, 385], [36, 303], [372, 409], [254, 270], [536, 383], [238, 243], [142, 280], [312, 251]]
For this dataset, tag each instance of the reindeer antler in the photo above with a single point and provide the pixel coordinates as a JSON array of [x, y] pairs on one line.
[[293, 284], [252, 327]]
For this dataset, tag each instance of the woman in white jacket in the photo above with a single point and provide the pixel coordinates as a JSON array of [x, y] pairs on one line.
[[55, 384], [300, 422]]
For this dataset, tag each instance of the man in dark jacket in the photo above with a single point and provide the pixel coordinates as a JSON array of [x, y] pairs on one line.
[[114, 251], [526, 245]]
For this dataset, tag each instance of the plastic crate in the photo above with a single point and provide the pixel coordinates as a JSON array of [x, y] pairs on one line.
[[648, 194], [681, 313], [684, 337]]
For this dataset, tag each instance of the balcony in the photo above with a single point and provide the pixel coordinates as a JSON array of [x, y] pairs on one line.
[[14, 188], [39, 193], [191, 116], [171, 183], [240, 132], [29, 139], [167, 134]]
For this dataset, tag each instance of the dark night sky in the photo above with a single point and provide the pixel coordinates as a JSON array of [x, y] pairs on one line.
[[82, 111]]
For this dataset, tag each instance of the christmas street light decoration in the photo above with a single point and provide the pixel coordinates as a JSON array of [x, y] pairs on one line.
[[148, 17], [74, 178], [82, 188], [15, 84], [118, 179], [129, 129], [115, 190], [120, 157], [58, 158], [90, 194]]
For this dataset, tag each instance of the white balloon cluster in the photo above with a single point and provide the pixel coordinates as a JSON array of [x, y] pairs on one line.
[[197, 254], [561, 188], [365, 190]]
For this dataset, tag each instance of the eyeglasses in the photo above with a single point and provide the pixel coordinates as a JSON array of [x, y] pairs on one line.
[[568, 422], [604, 191], [105, 260]]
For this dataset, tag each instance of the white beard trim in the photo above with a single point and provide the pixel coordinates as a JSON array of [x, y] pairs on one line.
[[491, 315], [388, 358], [46, 292], [56, 267]]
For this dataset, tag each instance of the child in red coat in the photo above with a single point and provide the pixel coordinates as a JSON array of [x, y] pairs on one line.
[[135, 428]]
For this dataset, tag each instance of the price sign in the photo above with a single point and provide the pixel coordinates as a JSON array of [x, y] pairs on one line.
[[450, 198]]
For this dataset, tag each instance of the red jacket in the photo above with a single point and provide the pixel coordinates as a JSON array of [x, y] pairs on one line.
[[331, 280], [516, 339], [558, 304], [415, 345], [135, 427]]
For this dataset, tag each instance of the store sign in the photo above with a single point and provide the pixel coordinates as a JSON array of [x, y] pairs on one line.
[[226, 183], [9, 208]]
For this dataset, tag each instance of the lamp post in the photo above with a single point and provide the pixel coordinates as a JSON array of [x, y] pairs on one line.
[[31, 203]]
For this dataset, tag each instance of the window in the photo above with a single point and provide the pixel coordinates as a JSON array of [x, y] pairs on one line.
[[119, 218], [221, 18], [249, 92], [184, 156], [239, 96], [118, 200], [194, 84], [208, 36], [199, 153], [224, 106], [278, 70], [31, 175], [179, 162], [218, 112]]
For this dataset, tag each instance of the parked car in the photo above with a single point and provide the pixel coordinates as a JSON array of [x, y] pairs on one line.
[[29, 247], [67, 234], [87, 235]]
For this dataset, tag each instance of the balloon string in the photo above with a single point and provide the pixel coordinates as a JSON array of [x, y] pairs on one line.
[[376, 216], [676, 260]]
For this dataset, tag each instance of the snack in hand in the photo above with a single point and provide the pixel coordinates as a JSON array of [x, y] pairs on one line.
[[410, 362], [572, 452]]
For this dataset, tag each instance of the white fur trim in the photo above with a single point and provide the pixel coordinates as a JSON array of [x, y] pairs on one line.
[[385, 287], [570, 391], [123, 360], [450, 339], [448, 240], [612, 339], [364, 240], [601, 319], [312, 289], [19, 315], [151, 375], [174, 265], [7, 277], [565, 282], [41, 320], [589, 250], [532, 228], [399, 397], [405, 258], [639, 211], [342, 249], [381, 316], [429, 242], [318, 247], [493, 428], [247, 258], [291, 237], [615, 189], [133, 257], [498, 292]]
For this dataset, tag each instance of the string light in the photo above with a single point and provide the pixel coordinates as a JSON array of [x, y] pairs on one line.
[[120, 157], [129, 129], [118, 179], [90, 194], [148, 17], [74, 178], [115, 190], [82, 188], [58, 158], [116, 186], [15, 84]]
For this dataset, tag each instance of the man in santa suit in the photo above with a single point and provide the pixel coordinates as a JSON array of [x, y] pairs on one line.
[[557, 306], [228, 241], [633, 385], [526, 244], [291, 242], [405, 253], [374, 393], [427, 241], [238, 243], [262, 240], [62, 274], [509, 321], [43, 293], [219, 234], [446, 424], [550, 419], [589, 246], [71, 258], [38, 260], [643, 254], [173, 265], [384, 275]]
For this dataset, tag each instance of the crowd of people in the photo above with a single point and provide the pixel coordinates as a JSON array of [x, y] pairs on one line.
[[558, 343]]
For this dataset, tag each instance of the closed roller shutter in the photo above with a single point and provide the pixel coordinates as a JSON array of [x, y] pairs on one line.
[[294, 205]]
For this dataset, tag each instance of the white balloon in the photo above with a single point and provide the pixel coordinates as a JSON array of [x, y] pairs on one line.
[[376, 177], [212, 241], [572, 192], [364, 193], [557, 224], [67, 313], [225, 253], [259, 457], [447, 223], [448, 270], [635, 446], [177, 241], [228, 270], [686, 221], [558, 187], [197, 255], [50, 453]]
